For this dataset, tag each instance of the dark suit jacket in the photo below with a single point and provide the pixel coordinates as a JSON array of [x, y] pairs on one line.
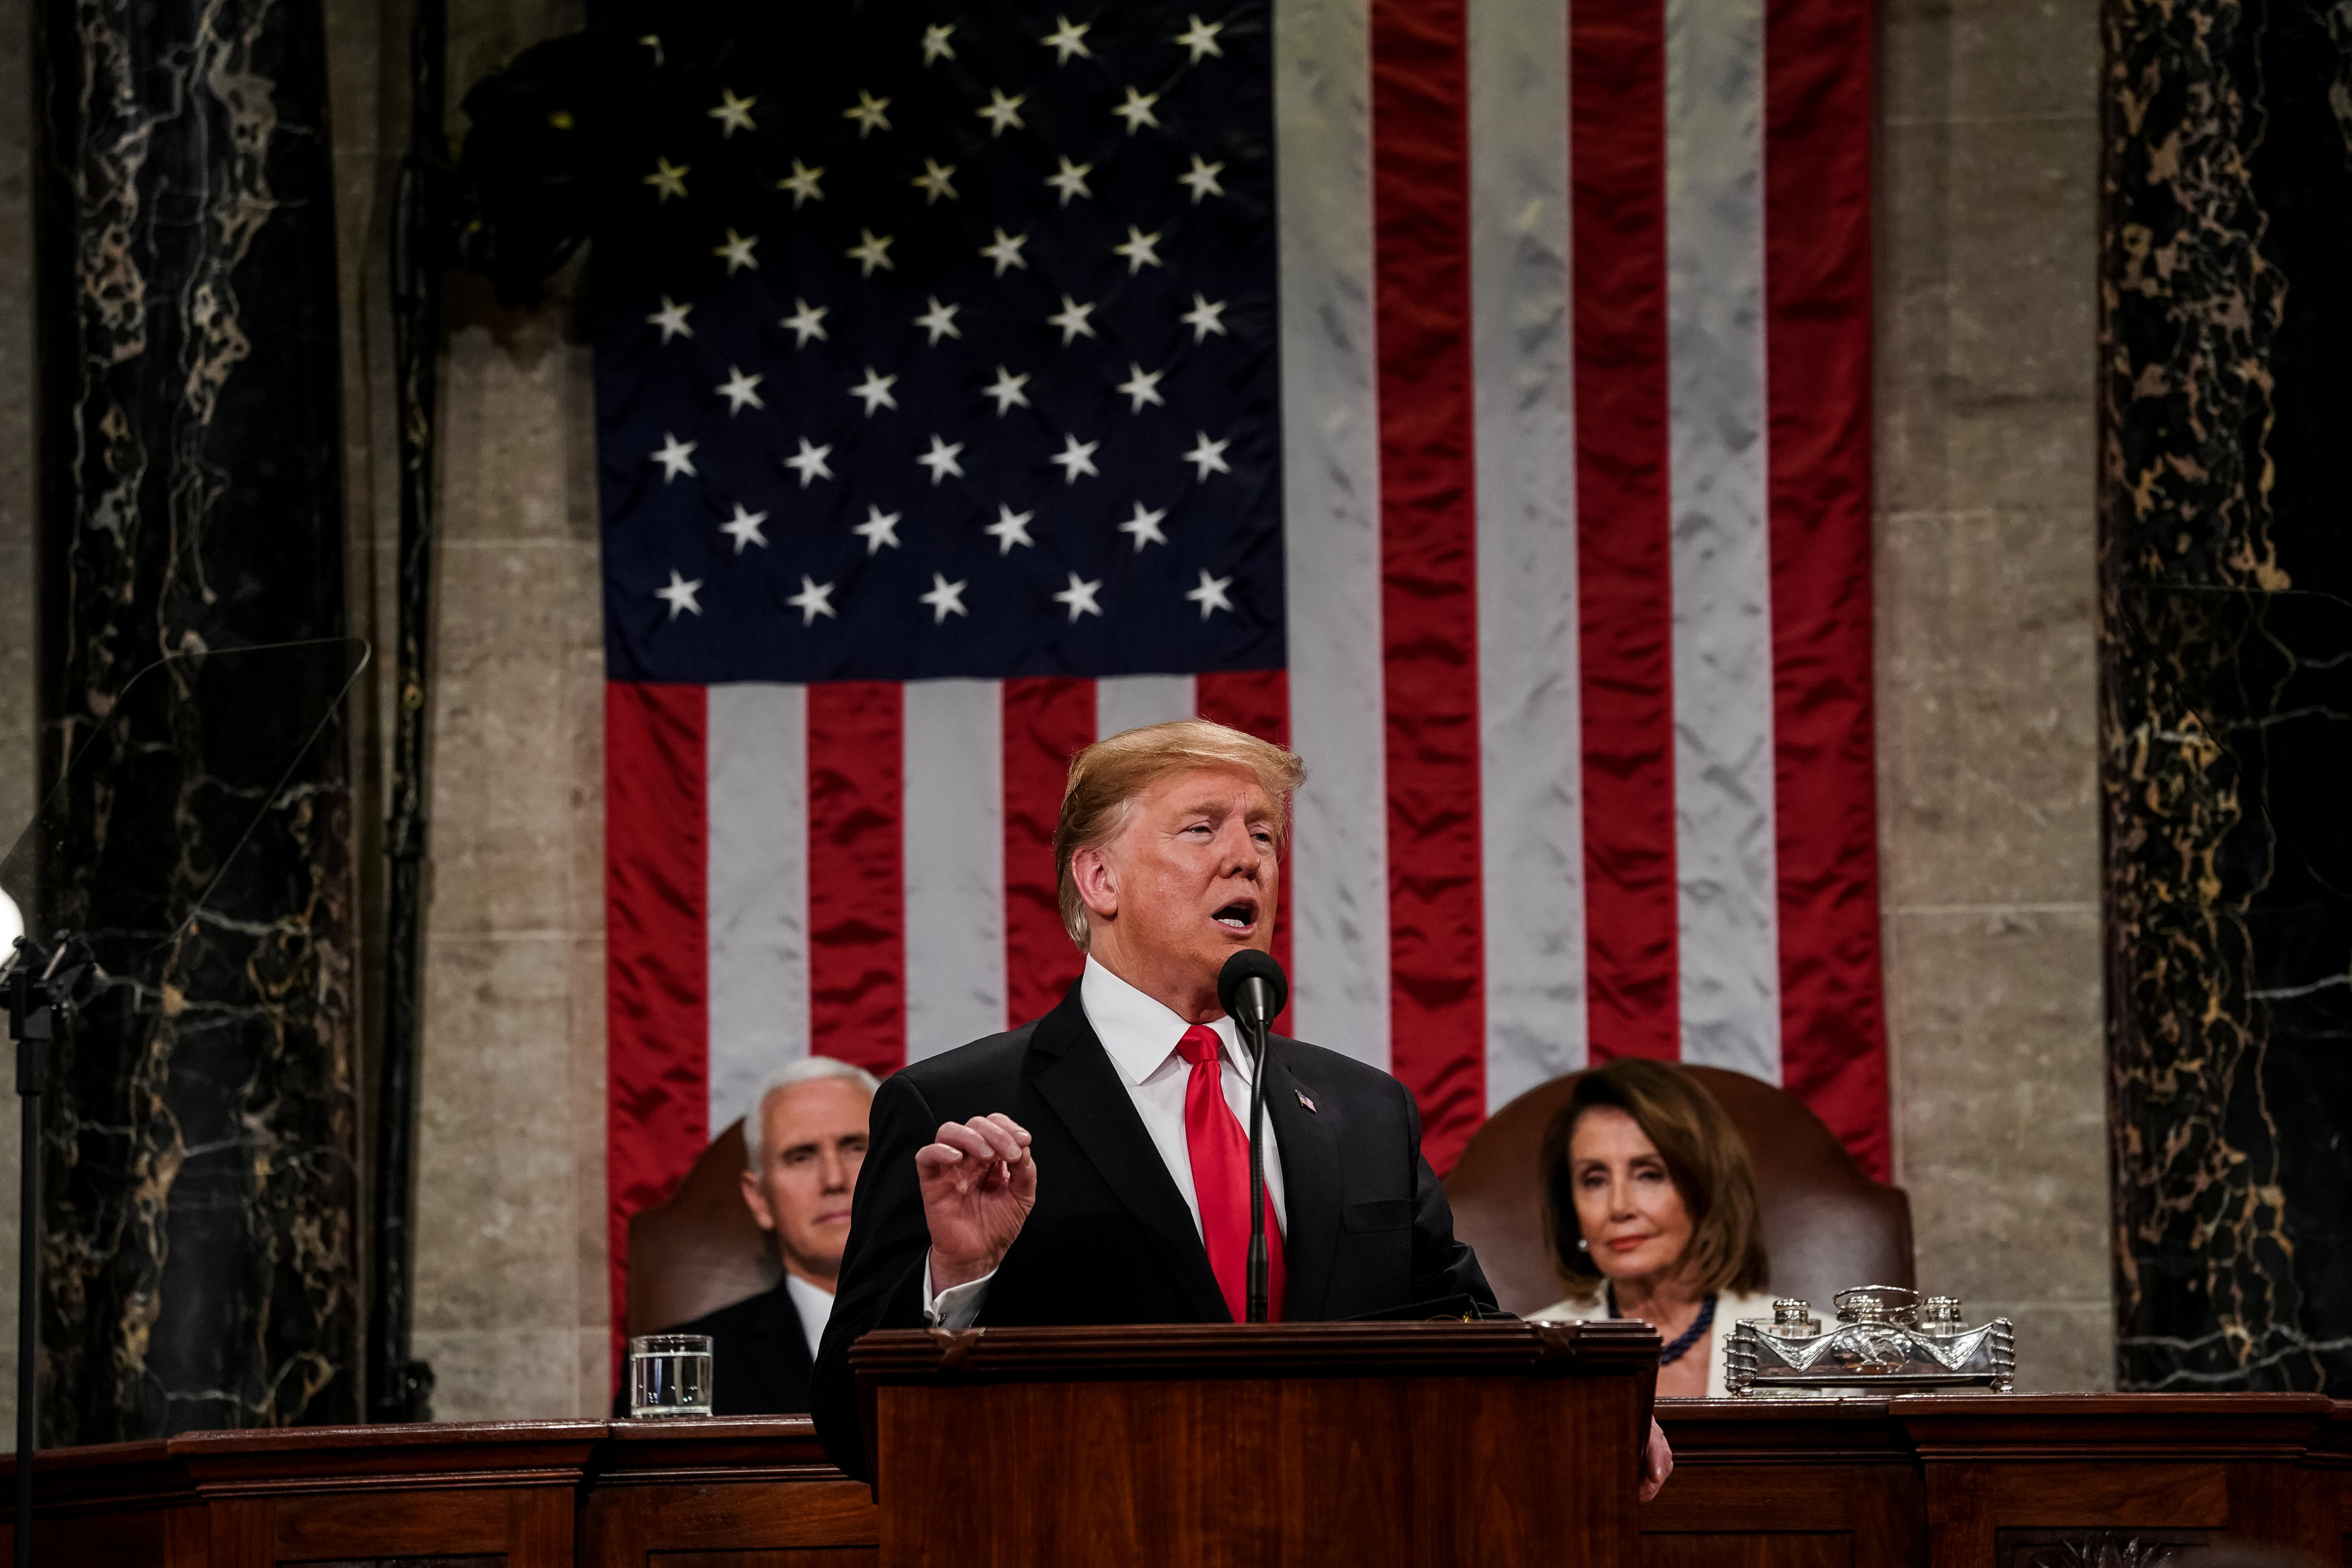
[[1110, 1240], [759, 1357]]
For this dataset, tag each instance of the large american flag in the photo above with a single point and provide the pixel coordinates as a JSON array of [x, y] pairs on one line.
[[1472, 397]]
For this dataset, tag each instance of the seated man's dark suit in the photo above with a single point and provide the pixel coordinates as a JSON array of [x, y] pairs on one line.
[[758, 1356], [1110, 1240]]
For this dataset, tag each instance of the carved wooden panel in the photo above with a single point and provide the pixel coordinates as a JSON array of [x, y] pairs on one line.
[[2100, 1548]]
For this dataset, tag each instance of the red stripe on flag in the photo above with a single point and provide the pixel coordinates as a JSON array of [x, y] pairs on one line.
[[1817, 316], [1046, 723], [1255, 702], [1618, 158], [1420, 241], [657, 963], [856, 888]]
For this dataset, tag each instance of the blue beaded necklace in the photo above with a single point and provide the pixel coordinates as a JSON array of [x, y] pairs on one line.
[[1681, 1344]]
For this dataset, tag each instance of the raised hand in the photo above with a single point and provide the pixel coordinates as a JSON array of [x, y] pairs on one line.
[[979, 1183]]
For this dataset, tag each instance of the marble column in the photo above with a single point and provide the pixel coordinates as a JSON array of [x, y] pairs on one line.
[[2226, 702], [201, 1252]]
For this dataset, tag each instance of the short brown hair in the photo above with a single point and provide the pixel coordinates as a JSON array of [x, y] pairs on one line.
[[1705, 1157], [1106, 777]]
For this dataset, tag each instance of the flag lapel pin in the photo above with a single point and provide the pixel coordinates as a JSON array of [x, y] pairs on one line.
[[1303, 1100]]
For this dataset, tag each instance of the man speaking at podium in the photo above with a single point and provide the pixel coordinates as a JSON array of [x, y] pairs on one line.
[[1092, 1166]]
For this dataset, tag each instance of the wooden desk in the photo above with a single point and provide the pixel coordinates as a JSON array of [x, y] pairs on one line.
[[709, 1494], [1998, 1481], [1945, 1481]]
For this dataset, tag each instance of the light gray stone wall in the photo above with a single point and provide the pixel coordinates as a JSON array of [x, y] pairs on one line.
[[510, 1279], [512, 1299], [1987, 674]]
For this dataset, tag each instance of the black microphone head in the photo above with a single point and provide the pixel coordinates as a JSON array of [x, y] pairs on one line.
[[1249, 964]]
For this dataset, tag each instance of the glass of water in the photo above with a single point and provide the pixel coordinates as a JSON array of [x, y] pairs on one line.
[[669, 1375]]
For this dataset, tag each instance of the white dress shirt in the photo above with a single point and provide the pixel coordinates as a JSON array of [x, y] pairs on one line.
[[814, 1305], [1140, 1035]]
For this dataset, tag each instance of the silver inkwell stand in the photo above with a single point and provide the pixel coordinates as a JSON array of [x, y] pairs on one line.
[[1885, 1341]]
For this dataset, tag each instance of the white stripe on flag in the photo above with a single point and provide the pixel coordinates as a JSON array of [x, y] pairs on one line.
[[1728, 921], [954, 860], [756, 790], [1331, 529], [1130, 702], [1527, 708]]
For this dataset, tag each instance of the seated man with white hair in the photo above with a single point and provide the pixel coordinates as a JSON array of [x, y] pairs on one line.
[[801, 1149]]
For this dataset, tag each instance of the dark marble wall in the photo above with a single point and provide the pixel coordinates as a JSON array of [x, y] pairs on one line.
[[2226, 560], [200, 1251]]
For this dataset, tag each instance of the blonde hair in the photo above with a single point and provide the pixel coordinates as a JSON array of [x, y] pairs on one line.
[[1106, 777]]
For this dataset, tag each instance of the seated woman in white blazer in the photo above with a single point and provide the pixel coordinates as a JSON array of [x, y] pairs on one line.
[[1650, 1204]]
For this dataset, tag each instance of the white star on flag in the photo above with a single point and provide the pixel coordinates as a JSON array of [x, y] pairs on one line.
[[809, 463], [1136, 110], [945, 598], [935, 43], [1210, 455], [1006, 390], [671, 319], [814, 600], [1202, 38], [935, 181], [867, 112], [879, 528], [1071, 180], [1202, 179], [1080, 597], [941, 459], [938, 321], [872, 251], [1072, 320], [1211, 595], [673, 456], [1010, 528], [1006, 252], [1204, 318], [1142, 385], [680, 594], [806, 321], [738, 388], [668, 178], [1076, 457], [801, 184], [1001, 111], [737, 252], [1067, 38], [1141, 250], [876, 392], [744, 527], [733, 113], [1145, 528]]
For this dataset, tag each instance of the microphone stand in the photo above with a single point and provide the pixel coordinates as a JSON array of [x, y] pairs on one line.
[[1255, 1020], [32, 991]]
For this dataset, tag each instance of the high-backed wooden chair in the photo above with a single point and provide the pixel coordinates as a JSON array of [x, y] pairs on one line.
[[1826, 1225], [701, 1249]]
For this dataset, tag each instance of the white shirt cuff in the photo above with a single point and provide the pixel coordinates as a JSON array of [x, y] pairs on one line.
[[955, 1307]]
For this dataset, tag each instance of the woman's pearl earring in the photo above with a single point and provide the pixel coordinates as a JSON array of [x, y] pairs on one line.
[[1583, 1245]]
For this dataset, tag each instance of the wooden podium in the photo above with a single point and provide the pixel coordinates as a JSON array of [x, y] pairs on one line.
[[1366, 1444]]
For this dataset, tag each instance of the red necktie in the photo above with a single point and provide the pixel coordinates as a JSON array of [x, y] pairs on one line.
[[1219, 1150]]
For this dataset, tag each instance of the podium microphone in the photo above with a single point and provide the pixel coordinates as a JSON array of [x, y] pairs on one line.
[[1251, 989]]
